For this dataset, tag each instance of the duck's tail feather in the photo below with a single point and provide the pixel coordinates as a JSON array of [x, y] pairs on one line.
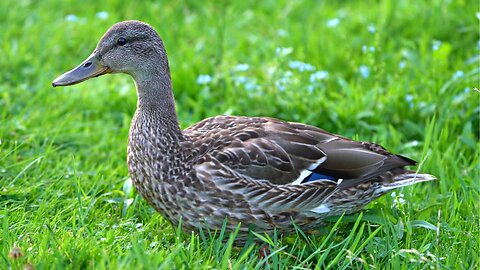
[[407, 179]]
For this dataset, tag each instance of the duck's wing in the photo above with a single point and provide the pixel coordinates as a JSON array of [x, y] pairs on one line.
[[289, 153]]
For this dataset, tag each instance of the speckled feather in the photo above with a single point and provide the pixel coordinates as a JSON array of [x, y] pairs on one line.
[[242, 168], [249, 171]]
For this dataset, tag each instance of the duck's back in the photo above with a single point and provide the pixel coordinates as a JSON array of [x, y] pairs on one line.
[[289, 153]]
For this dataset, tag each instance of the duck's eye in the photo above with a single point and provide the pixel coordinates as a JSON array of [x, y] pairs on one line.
[[121, 41]]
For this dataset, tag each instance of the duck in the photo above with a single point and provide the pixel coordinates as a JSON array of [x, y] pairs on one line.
[[235, 172]]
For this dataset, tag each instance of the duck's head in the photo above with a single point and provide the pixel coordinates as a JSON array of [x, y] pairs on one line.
[[131, 47]]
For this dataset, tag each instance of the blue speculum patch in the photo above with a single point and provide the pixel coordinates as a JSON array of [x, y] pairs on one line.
[[318, 176]]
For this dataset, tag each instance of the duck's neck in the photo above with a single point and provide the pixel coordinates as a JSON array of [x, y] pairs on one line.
[[157, 150], [156, 101]]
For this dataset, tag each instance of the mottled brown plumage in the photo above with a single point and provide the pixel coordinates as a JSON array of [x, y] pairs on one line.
[[254, 171]]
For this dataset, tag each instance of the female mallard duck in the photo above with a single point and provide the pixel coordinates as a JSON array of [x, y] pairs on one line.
[[254, 171]]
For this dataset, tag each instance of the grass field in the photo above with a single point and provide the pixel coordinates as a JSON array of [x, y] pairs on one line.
[[400, 73]]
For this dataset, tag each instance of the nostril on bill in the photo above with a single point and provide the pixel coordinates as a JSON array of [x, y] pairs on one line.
[[87, 64]]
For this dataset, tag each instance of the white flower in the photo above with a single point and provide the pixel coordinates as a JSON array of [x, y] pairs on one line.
[[280, 51], [240, 79], [366, 48], [409, 99], [281, 84], [288, 74], [102, 15], [364, 71], [398, 201], [319, 75], [436, 45], [333, 22], [282, 32], [301, 66], [71, 18], [458, 74], [248, 83], [372, 29], [251, 85], [204, 79], [242, 67]]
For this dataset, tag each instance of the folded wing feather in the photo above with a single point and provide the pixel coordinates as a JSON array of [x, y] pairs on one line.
[[284, 152]]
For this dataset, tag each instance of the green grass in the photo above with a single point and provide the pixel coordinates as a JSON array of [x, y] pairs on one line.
[[64, 194]]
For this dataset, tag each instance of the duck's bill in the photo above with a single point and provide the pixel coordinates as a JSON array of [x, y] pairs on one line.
[[90, 68]]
